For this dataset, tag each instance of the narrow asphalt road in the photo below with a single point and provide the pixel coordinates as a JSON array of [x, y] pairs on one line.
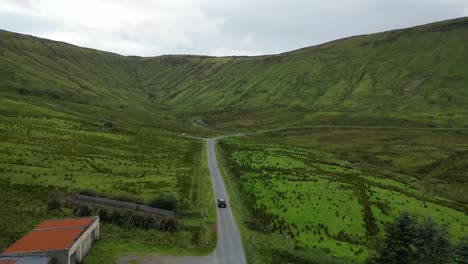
[[229, 249]]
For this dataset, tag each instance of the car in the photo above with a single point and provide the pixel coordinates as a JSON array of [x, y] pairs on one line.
[[221, 203]]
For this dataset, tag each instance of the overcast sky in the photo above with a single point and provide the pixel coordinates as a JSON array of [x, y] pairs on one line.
[[215, 27]]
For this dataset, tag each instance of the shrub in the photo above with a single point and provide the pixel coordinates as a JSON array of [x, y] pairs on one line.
[[166, 201], [170, 225], [108, 123], [54, 205], [103, 215], [461, 252], [115, 218], [82, 211], [257, 225], [127, 219]]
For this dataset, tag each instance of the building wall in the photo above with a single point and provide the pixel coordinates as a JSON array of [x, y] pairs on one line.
[[59, 256], [83, 244], [37, 259]]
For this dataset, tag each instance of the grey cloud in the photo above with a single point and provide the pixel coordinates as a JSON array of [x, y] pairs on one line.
[[25, 23], [154, 27]]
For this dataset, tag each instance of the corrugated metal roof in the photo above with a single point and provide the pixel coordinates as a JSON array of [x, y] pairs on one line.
[[75, 222], [42, 240]]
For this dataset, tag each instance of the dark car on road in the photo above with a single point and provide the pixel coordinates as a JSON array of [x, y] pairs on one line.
[[221, 203]]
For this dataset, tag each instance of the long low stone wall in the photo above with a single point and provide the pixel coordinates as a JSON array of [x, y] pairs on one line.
[[122, 205]]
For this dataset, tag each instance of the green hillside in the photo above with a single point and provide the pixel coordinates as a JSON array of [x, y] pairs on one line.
[[416, 75], [377, 124]]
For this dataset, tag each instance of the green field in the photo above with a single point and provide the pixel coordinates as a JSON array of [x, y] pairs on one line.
[[334, 207], [59, 158]]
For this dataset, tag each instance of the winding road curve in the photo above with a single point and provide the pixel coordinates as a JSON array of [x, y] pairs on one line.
[[229, 249]]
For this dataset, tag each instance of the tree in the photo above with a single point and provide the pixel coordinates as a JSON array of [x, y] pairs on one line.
[[432, 244], [409, 241], [398, 241], [461, 252]]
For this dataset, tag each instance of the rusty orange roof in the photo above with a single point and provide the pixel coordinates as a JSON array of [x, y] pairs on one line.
[[42, 240], [75, 222], [52, 235]]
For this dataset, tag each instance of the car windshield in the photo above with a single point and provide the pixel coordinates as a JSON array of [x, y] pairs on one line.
[[221, 200]]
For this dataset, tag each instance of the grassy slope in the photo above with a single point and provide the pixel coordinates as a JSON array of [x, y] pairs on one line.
[[73, 119], [46, 78], [415, 75]]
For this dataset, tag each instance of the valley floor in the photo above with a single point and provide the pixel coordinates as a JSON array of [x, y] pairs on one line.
[[331, 190], [312, 194]]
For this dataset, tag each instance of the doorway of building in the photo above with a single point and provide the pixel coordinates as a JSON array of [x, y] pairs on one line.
[[73, 258]]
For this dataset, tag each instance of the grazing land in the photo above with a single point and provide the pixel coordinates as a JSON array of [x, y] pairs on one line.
[[332, 190], [45, 159]]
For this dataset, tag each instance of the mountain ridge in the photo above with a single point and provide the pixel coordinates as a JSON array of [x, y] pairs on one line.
[[461, 20], [414, 73]]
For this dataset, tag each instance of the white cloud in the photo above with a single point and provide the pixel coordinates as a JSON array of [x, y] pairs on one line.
[[130, 27], [237, 52], [240, 27]]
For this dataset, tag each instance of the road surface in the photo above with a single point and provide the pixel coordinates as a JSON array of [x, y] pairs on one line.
[[229, 249]]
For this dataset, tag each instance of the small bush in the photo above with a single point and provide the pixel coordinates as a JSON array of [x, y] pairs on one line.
[[115, 218], [103, 215], [461, 251], [255, 224], [169, 225], [166, 201], [82, 211], [54, 205], [128, 218]]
